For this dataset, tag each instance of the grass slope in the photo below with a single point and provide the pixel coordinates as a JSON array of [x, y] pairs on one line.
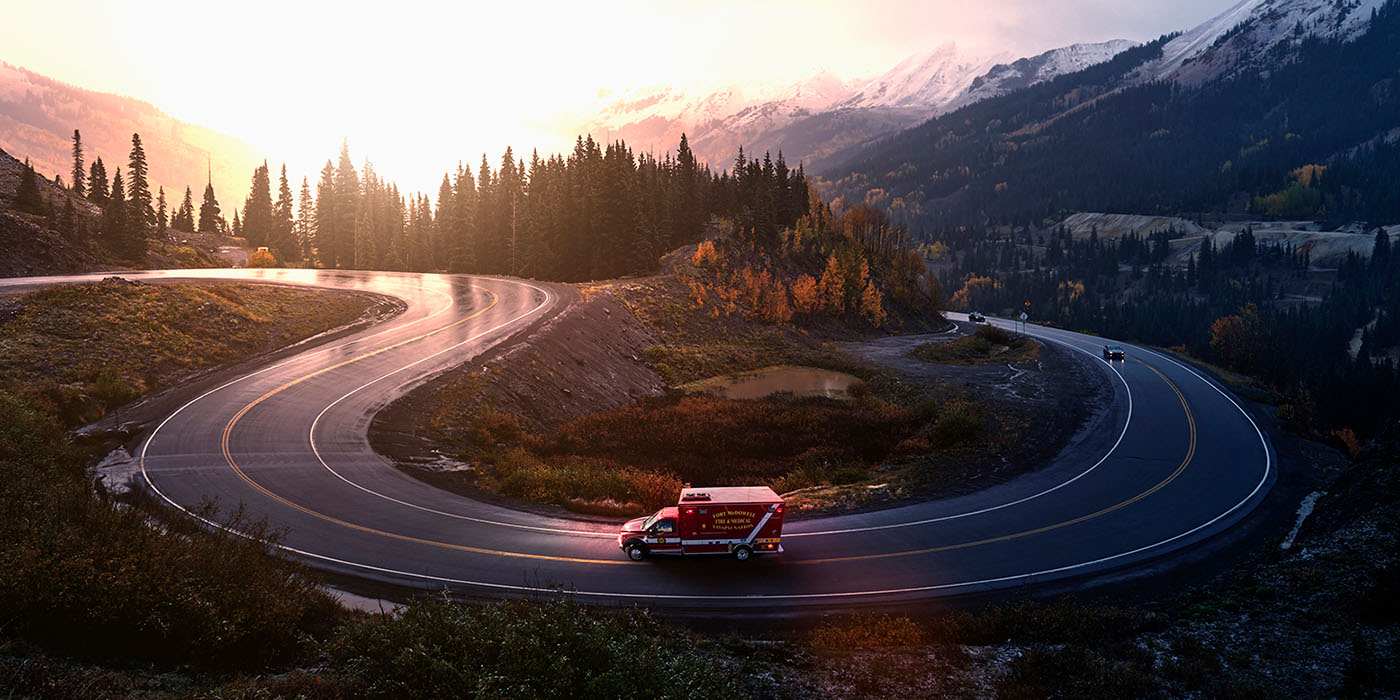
[[76, 351]]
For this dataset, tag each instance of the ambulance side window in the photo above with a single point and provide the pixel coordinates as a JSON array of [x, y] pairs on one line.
[[665, 527]]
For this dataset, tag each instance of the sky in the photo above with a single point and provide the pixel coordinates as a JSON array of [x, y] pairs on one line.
[[418, 86]]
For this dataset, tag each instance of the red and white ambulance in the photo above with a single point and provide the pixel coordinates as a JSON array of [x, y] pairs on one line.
[[738, 520]]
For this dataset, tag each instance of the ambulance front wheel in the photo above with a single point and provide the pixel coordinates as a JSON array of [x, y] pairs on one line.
[[636, 551], [742, 552]]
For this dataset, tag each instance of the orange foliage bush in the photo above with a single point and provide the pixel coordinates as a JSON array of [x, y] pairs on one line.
[[974, 292], [705, 255], [1238, 339], [805, 295], [832, 287]]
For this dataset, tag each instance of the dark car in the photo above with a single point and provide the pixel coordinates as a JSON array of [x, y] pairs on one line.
[[976, 317], [1113, 352]]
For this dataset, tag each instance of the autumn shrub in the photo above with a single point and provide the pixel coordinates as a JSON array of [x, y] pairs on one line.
[[262, 258], [865, 631], [80, 573], [492, 427], [705, 255], [526, 649]]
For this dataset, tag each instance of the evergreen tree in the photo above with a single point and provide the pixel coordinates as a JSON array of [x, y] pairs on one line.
[[184, 216], [162, 215], [257, 209], [238, 231], [68, 220], [283, 242], [304, 229], [138, 189], [79, 173], [27, 197], [210, 220], [347, 209], [327, 237], [115, 224], [97, 183]]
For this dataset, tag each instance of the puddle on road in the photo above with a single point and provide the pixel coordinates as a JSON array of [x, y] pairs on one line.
[[799, 381]]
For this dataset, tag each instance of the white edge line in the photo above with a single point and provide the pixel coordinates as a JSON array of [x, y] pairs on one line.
[[989, 509], [311, 433], [1268, 462]]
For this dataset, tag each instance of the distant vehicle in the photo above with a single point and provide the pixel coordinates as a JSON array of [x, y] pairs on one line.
[[1113, 352], [976, 317], [738, 520]]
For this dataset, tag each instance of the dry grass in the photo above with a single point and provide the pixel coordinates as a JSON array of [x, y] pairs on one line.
[[77, 351]]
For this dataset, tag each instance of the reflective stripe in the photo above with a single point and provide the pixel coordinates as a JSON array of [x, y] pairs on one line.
[[761, 523]]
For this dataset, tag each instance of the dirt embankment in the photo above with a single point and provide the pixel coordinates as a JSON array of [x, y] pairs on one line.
[[591, 357]]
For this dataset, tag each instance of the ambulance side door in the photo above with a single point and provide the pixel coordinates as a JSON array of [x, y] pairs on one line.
[[664, 537]]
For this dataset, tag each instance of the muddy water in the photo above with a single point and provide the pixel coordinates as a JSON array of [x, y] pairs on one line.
[[800, 381]]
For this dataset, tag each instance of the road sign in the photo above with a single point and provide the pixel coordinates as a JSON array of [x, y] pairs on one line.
[[1023, 316]]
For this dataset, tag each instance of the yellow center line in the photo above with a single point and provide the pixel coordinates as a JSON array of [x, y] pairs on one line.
[[1190, 453], [233, 464], [228, 456]]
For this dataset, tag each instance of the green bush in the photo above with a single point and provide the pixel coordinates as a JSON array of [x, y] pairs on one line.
[[960, 422], [994, 335], [524, 649]]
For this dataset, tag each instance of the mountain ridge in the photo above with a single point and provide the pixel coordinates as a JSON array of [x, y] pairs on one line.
[[816, 119], [38, 115]]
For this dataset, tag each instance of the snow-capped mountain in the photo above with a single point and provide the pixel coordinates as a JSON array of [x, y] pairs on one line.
[[1253, 31], [923, 82], [814, 119], [1007, 77]]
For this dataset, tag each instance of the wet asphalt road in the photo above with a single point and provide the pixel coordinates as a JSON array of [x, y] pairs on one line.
[[1171, 462]]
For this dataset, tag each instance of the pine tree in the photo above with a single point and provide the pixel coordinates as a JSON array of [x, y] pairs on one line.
[[138, 189], [237, 225], [257, 209], [68, 220], [184, 216], [79, 173], [327, 238], [210, 219], [27, 197], [304, 228], [347, 200], [283, 242], [162, 215], [97, 183], [115, 224]]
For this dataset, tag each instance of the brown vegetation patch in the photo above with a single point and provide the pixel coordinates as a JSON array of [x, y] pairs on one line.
[[988, 344], [637, 457], [77, 351]]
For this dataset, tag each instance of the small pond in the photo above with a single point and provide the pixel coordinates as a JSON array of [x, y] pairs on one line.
[[799, 381]]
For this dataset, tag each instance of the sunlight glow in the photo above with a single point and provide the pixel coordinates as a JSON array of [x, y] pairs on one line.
[[418, 86]]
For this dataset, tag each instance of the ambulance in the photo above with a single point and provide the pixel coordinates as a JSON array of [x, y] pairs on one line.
[[738, 520]]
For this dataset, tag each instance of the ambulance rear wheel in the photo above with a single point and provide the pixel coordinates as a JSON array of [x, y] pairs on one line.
[[742, 552], [636, 552]]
